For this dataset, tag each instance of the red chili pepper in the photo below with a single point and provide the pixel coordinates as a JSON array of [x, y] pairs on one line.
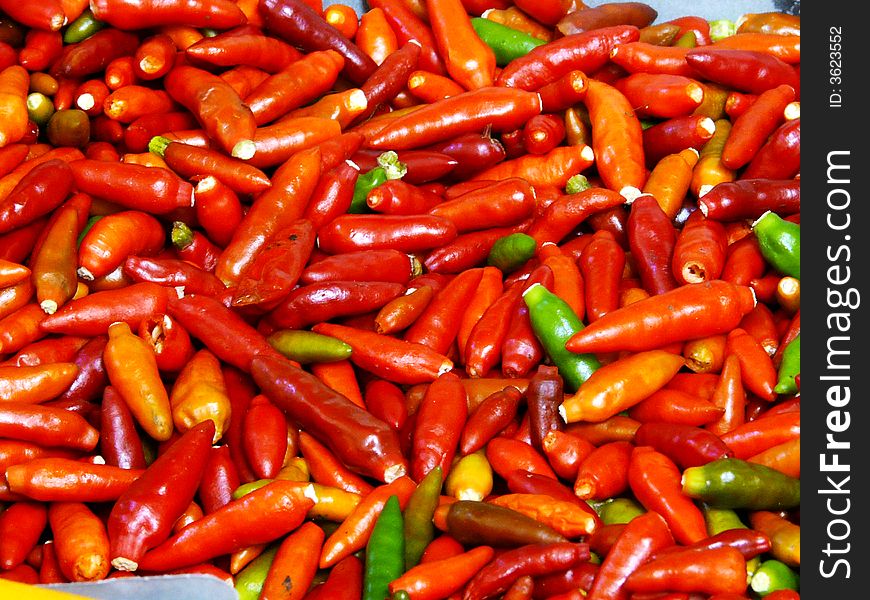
[[409, 234], [711, 571], [601, 263], [644, 57], [46, 426], [632, 327], [652, 240], [275, 270], [245, 45], [39, 192], [531, 559], [298, 24], [222, 330], [283, 203], [389, 79], [750, 198], [438, 425], [91, 377], [685, 445], [676, 135], [569, 211], [467, 250], [502, 109], [219, 480], [138, 14], [398, 197], [779, 157], [94, 53], [587, 52], [408, 25], [257, 518], [172, 272], [21, 525], [763, 433], [506, 455], [387, 357], [217, 107], [753, 127], [120, 444], [743, 70], [490, 417], [756, 366], [333, 195], [677, 407]]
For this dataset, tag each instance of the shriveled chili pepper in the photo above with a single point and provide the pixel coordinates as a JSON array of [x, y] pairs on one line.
[[259, 517], [284, 202], [80, 540], [619, 329]]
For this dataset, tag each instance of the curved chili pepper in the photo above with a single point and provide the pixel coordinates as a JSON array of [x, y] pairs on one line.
[[21, 525], [752, 129], [173, 273], [501, 108], [293, 390], [756, 367], [676, 407], [784, 535], [428, 581], [298, 24], [779, 241]]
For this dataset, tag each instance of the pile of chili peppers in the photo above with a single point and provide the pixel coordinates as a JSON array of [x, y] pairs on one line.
[[458, 299]]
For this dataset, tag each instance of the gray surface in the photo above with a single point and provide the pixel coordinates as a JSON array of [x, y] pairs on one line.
[[669, 9], [164, 587]]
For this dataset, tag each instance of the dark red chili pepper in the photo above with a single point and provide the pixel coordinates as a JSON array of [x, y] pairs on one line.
[[779, 157], [652, 238], [91, 378], [299, 24], [473, 153], [676, 134], [120, 443], [219, 480], [750, 198], [94, 53], [398, 197], [605, 15], [601, 262], [412, 234], [495, 413], [173, 273], [543, 397], [744, 70], [752, 128], [361, 441], [409, 26], [699, 252]]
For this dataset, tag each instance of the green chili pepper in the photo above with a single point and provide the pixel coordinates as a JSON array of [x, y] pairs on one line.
[[773, 575], [554, 322], [39, 108], [619, 510], [249, 581], [780, 243], [418, 527], [247, 488], [736, 483], [308, 347], [506, 42], [722, 28], [577, 183], [789, 368], [511, 252], [385, 552], [400, 595], [687, 40], [82, 28], [365, 183]]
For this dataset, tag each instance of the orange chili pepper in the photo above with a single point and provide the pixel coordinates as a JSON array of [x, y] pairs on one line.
[[669, 180], [604, 472], [340, 376], [441, 577], [468, 60], [354, 531], [80, 540], [565, 517], [554, 168], [400, 313], [132, 369], [620, 385], [374, 36], [295, 564], [14, 87], [706, 354]]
